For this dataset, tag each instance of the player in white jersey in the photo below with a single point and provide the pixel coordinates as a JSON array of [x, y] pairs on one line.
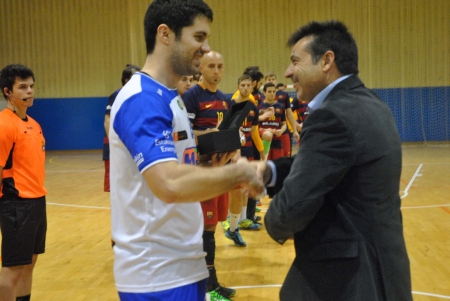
[[156, 217]]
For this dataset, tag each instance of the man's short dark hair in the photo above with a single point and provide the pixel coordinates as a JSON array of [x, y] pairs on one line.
[[244, 77], [176, 14], [330, 35], [127, 73], [9, 74], [279, 85], [254, 73], [267, 86]]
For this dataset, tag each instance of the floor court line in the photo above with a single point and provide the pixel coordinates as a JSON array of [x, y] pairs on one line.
[[68, 205], [416, 174], [279, 285], [69, 171]]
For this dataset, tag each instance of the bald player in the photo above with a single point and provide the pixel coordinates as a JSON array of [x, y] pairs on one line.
[[206, 105]]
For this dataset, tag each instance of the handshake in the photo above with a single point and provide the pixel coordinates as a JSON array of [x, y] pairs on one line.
[[250, 176]]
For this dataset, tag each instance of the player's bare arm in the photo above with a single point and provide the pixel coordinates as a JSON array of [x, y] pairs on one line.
[[291, 120], [280, 132], [182, 183], [267, 114]]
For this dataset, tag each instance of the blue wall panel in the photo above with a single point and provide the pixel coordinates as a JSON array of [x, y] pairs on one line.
[[421, 114], [71, 123]]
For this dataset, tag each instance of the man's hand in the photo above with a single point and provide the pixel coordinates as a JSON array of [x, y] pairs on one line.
[[242, 137], [267, 114], [299, 126], [296, 136], [278, 133], [218, 159], [263, 171], [253, 185], [236, 157]]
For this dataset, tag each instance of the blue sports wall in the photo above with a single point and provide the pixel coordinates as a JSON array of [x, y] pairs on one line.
[[71, 123], [421, 114]]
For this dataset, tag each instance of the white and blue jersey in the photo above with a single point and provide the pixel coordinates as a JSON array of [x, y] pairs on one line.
[[158, 245]]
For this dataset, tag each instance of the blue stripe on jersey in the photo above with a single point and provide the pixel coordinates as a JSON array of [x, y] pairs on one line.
[[144, 124]]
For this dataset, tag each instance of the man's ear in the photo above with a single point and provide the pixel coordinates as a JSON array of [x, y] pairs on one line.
[[163, 33], [328, 60]]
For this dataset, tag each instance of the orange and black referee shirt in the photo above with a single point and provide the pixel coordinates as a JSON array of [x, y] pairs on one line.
[[22, 155]]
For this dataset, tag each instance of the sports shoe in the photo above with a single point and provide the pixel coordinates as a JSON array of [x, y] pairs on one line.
[[257, 209], [258, 203], [247, 224], [214, 296], [226, 224], [235, 237], [225, 291], [256, 220]]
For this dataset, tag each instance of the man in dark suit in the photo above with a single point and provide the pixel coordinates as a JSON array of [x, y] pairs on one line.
[[339, 196]]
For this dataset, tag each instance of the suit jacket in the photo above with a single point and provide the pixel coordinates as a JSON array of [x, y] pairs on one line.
[[339, 198]]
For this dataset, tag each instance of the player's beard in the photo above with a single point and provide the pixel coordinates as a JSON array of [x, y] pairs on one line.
[[182, 64]]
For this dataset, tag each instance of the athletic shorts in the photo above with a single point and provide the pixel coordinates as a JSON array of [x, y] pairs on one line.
[[275, 153], [23, 224], [215, 210], [106, 184], [247, 152], [191, 292], [286, 141]]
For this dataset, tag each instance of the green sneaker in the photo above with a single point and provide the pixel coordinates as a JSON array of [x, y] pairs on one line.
[[215, 296], [257, 209], [247, 224], [226, 224]]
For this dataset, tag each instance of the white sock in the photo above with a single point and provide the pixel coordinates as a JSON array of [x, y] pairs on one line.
[[234, 220], [243, 213]]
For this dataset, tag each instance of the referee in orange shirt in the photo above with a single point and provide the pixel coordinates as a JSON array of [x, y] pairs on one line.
[[23, 219]]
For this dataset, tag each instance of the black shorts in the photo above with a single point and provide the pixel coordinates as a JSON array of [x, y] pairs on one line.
[[23, 224]]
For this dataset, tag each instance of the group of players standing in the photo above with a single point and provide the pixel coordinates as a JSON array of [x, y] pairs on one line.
[[265, 135]]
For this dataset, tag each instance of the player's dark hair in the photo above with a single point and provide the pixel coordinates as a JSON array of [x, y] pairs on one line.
[[9, 74], [250, 68], [127, 73], [279, 85], [330, 35], [267, 86], [244, 77], [176, 14]]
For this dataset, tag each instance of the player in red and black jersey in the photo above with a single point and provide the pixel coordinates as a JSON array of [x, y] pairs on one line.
[[283, 98], [206, 105], [250, 129], [272, 128]]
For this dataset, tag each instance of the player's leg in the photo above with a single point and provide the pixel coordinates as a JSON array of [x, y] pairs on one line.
[[20, 245], [232, 232], [106, 187], [286, 143], [23, 288], [214, 210], [9, 278]]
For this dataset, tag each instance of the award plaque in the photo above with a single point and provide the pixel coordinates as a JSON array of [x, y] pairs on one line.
[[227, 139]]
